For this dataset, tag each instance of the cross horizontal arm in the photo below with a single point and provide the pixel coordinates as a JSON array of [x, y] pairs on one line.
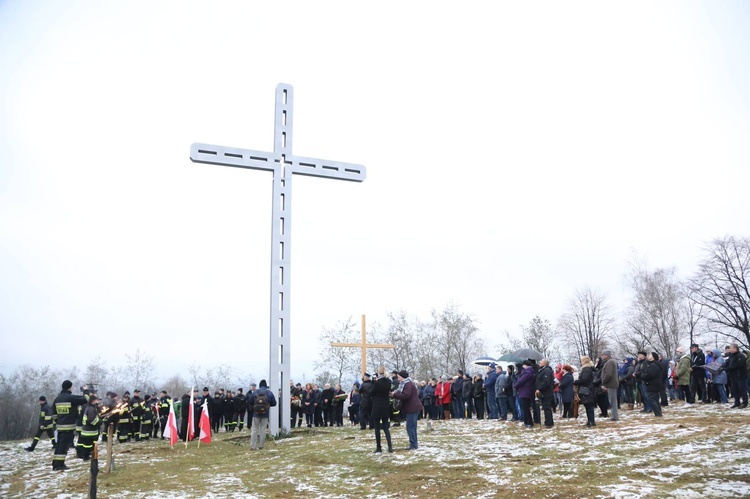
[[329, 169], [232, 156]]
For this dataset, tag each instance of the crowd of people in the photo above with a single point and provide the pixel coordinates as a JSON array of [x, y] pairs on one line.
[[138, 418], [521, 392], [525, 391]]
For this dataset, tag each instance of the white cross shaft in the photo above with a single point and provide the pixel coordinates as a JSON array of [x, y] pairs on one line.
[[283, 164]]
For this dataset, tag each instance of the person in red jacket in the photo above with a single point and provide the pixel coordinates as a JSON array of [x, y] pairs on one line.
[[443, 396]]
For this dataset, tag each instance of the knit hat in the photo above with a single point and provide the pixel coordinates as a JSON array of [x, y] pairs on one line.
[[67, 384], [403, 373], [263, 384], [492, 365], [655, 354], [42, 398], [641, 352]]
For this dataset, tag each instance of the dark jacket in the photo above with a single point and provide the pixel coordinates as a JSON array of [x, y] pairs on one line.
[[477, 389], [409, 395], [457, 388], [489, 382], [45, 417], [466, 389], [251, 400], [566, 387], [585, 386], [545, 381], [326, 398], [381, 407], [651, 376], [524, 385], [365, 391], [65, 407], [736, 366]]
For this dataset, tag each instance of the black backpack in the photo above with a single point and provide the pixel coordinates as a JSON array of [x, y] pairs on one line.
[[260, 408]]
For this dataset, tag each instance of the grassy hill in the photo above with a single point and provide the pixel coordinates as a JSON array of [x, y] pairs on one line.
[[698, 451]]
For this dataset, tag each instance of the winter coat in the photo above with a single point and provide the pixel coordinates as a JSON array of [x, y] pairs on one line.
[[269, 395], [457, 387], [525, 384], [721, 377], [365, 391], [651, 377], [545, 382], [443, 393], [736, 366], [326, 398], [683, 370], [477, 389], [409, 395], [489, 382], [500, 382], [585, 381], [466, 391], [308, 402], [610, 378], [381, 407], [566, 387], [429, 394]]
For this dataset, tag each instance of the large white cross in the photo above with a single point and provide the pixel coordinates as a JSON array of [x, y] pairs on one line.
[[284, 165]]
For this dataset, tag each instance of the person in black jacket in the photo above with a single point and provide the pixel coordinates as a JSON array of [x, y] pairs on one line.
[[46, 423], [381, 409], [545, 390], [736, 368], [65, 408], [326, 405], [651, 377], [585, 384], [365, 402], [240, 408], [698, 374], [477, 393]]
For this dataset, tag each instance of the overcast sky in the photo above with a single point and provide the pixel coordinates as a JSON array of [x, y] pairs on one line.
[[515, 152]]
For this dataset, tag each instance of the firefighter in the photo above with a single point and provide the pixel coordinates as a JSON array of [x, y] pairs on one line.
[[136, 411], [123, 423], [230, 421], [240, 406], [46, 423], [163, 411], [89, 428], [147, 417], [65, 409]]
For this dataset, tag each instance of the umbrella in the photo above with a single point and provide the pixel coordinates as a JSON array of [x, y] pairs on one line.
[[484, 361], [509, 357], [714, 367], [528, 353]]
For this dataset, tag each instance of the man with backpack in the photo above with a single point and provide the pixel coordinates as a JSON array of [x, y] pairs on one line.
[[261, 401]]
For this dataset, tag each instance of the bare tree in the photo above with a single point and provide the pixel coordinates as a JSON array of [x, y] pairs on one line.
[[175, 386], [587, 323], [655, 313], [693, 313], [139, 370], [340, 361], [722, 286], [457, 338], [97, 374], [540, 336]]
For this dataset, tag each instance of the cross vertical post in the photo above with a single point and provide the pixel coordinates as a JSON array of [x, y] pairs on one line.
[[283, 164]]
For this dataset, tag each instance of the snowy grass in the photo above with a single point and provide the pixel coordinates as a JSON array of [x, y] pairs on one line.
[[698, 451]]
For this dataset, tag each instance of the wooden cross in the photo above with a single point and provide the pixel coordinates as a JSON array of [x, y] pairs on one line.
[[363, 345]]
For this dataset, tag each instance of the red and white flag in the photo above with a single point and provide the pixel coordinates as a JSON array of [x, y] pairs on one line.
[[205, 424], [191, 419], [171, 429]]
